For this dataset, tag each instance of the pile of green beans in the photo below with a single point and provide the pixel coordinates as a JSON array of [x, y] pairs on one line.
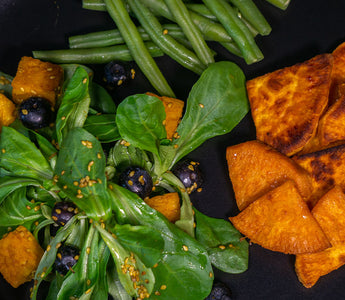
[[232, 23]]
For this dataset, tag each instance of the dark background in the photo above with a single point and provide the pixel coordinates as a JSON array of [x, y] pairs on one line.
[[305, 29]]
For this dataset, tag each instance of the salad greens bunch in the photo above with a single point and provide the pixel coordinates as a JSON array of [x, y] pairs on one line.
[[127, 248]]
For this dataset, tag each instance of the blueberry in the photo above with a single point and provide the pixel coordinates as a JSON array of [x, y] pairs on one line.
[[219, 292], [66, 257], [36, 113], [137, 180], [63, 211], [117, 73], [190, 174]]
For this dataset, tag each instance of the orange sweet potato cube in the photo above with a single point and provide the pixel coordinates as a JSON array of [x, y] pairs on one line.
[[7, 111], [331, 126], [173, 110], [36, 78], [329, 212], [338, 77], [167, 204], [20, 256], [256, 168], [326, 167], [310, 267], [331, 131], [286, 104], [281, 221]]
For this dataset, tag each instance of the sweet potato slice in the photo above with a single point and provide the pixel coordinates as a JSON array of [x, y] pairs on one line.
[[310, 267], [256, 168], [331, 130], [286, 104], [337, 89], [20, 256], [173, 110], [167, 204], [281, 221], [36, 78], [326, 167], [7, 111], [329, 212]]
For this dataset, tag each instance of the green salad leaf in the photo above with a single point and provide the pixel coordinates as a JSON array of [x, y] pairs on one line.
[[103, 127], [17, 210], [79, 172], [75, 103], [86, 274], [101, 101], [215, 105], [227, 249], [20, 157], [183, 260], [140, 121]]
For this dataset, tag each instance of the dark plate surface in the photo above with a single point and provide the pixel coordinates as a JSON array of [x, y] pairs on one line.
[[305, 29]]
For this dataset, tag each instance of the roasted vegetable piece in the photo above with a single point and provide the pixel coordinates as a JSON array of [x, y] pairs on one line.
[[63, 211], [20, 256], [36, 113], [35, 78], [7, 111], [173, 111], [137, 180], [190, 174], [329, 212], [117, 73], [326, 168], [256, 168], [167, 204], [67, 256], [281, 221], [287, 104]]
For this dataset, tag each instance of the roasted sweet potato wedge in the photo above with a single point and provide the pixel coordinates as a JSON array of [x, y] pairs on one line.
[[36, 78], [337, 89], [329, 212], [167, 204], [286, 104], [20, 256], [281, 221], [256, 168], [326, 167], [310, 267], [173, 110], [7, 111]]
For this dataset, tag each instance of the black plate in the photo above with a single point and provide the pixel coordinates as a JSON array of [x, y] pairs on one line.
[[305, 29]]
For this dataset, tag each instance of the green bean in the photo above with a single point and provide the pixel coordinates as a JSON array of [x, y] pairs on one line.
[[250, 11], [211, 30], [102, 38], [191, 31], [94, 55], [231, 47], [165, 42], [137, 48], [282, 4], [236, 28], [94, 5], [250, 26], [113, 37], [202, 10]]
